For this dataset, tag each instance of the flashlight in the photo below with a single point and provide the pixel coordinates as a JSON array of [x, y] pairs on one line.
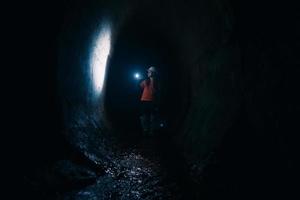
[[137, 76]]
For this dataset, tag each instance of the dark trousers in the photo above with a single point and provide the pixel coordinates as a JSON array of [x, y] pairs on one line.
[[148, 112]]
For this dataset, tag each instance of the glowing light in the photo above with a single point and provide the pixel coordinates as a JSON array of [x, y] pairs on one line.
[[137, 75], [99, 57]]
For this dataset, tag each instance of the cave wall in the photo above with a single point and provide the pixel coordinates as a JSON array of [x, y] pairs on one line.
[[230, 62], [239, 80], [210, 60]]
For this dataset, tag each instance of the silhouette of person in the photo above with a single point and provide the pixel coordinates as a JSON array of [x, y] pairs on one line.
[[149, 101]]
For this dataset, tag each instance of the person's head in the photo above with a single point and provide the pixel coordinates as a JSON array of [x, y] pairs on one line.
[[151, 71]]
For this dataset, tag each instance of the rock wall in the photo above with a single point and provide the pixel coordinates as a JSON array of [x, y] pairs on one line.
[[237, 86]]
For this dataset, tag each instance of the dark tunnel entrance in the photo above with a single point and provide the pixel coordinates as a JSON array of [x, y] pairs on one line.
[[141, 44]]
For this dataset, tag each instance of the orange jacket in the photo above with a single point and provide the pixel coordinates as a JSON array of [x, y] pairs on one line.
[[148, 90]]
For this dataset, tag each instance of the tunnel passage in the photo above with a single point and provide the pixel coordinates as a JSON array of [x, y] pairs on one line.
[[192, 45], [198, 63], [140, 44], [238, 133], [189, 42]]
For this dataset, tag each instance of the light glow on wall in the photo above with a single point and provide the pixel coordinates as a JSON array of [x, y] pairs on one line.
[[99, 57]]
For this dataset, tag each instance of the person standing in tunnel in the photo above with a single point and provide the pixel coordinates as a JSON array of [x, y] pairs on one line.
[[149, 101]]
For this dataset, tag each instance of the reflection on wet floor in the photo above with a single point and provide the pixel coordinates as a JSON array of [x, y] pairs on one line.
[[138, 172]]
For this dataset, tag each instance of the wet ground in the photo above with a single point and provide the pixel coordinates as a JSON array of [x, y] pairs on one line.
[[135, 168], [148, 168]]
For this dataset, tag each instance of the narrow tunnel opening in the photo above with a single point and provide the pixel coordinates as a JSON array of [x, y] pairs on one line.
[[139, 45]]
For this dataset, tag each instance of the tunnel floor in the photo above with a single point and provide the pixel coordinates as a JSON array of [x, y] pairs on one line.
[[147, 169], [139, 168]]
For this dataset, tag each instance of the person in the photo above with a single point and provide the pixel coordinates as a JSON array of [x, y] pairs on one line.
[[149, 101]]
